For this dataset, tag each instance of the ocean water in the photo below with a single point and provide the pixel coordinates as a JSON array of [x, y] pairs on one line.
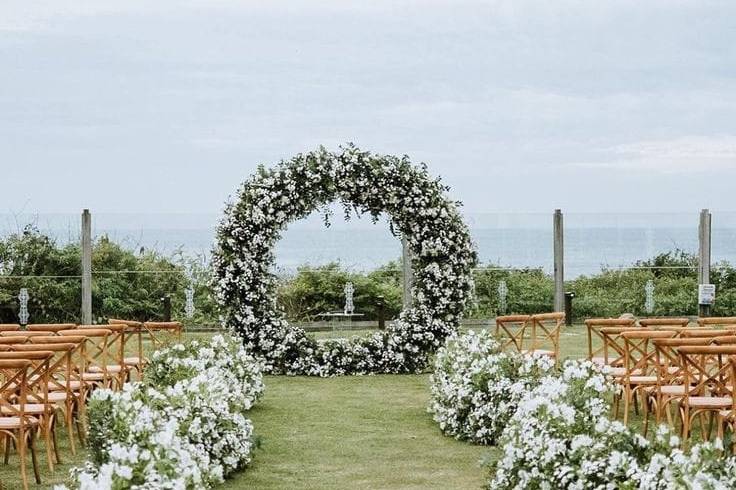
[[503, 239]]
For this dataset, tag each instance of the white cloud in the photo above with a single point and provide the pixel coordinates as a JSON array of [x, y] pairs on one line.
[[678, 155]]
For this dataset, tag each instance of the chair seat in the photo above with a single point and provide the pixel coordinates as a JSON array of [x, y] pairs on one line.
[[10, 423], [709, 401], [74, 385], [619, 372], [111, 368], [57, 396], [670, 390], [29, 409]]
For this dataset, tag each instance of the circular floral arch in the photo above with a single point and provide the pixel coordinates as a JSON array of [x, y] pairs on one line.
[[417, 208]]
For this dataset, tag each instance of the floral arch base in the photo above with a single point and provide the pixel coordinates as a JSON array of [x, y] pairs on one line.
[[417, 208]]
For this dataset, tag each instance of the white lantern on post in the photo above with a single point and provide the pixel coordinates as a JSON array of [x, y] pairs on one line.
[[649, 301], [189, 306], [349, 290], [23, 298], [503, 292]]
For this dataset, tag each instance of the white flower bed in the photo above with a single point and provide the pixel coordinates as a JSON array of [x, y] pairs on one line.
[[476, 387], [183, 427], [561, 437], [417, 208]]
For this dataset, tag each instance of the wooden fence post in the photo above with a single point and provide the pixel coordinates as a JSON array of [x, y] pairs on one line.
[[407, 272], [559, 260], [704, 235], [86, 267]]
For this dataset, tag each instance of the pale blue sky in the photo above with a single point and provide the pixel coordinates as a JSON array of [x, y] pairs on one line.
[[163, 106]]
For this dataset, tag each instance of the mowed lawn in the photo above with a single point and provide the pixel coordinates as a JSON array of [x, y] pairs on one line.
[[355, 432]]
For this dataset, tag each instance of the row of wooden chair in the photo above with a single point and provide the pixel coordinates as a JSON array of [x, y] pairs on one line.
[[48, 368], [668, 362]]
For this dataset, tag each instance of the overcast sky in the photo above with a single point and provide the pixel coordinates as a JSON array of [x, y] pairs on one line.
[[141, 106]]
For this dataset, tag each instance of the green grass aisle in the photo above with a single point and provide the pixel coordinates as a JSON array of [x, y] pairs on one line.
[[355, 432]]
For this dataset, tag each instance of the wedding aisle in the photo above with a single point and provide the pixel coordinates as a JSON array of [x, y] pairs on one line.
[[355, 432]]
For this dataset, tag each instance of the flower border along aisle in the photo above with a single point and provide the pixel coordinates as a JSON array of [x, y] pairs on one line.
[[561, 437], [418, 209], [183, 427], [553, 428]]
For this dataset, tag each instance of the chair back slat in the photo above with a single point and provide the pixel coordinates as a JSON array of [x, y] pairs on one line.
[[546, 329], [663, 322], [717, 321], [513, 331], [596, 341], [50, 327]]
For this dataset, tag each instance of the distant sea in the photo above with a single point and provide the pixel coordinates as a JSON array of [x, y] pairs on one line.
[[505, 239]]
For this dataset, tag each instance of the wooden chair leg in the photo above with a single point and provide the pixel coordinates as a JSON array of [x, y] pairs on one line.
[[685, 427], [645, 408], [22, 457], [635, 402], [44, 427], [68, 421], [8, 442], [34, 459], [56, 446], [627, 403]]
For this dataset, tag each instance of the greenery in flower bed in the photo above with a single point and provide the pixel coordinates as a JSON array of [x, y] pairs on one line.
[[184, 426]]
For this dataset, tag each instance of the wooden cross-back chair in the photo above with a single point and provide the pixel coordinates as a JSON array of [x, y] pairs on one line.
[[16, 424], [163, 333], [114, 354], [670, 385], [95, 357], [50, 327], [74, 383], [513, 331], [613, 347], [59, 383], [545, 334], [9, 327], [708, 389], [639, 366], [37, 401], [134, 333], [664, 323], [596, 351]]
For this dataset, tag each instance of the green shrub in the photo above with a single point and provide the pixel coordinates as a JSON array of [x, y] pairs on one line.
[[321, 289]]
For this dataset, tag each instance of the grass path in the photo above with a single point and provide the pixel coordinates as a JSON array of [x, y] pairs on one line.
[[355, 432]]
